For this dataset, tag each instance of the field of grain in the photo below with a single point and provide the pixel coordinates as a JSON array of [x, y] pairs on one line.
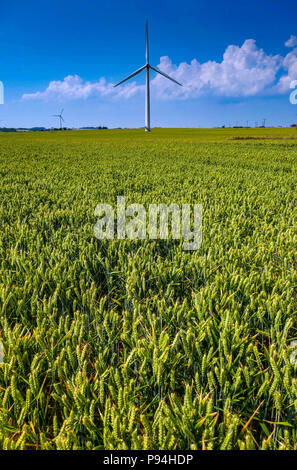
[[120, 344]]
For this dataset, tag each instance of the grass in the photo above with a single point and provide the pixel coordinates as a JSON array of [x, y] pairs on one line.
[[139, 344]]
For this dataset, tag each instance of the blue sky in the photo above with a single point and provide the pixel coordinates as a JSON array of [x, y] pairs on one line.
[[230, 56]]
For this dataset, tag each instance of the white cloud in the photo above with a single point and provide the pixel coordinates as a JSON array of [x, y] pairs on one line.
[[244, 71], [289, 64], [292, 42], [73, 87]]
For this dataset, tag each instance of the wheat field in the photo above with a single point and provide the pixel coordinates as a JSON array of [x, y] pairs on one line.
[[120, 344]]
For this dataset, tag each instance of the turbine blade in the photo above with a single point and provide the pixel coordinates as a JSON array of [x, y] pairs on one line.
[[165, 75], [62, 111], [146, 43], [130, 76]]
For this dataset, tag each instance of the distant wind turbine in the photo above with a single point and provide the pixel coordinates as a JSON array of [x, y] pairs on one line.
[[147, 68], [60, 117]]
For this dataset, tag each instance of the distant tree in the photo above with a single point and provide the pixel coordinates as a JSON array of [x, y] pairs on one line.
[[7, 129]]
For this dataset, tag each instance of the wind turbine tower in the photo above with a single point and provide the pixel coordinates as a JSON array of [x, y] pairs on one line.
[[147, 68]]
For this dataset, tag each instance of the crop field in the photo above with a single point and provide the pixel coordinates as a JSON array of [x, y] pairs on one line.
[[121, 344]]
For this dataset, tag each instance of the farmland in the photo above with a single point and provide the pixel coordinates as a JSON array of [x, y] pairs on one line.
[[122, 344]]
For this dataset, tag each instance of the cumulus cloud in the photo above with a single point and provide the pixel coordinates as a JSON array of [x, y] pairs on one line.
[[244, 71], [74, 87], [289, 64], [292, 42]]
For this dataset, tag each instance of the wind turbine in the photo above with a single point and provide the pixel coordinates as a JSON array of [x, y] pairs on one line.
[[147, 68], [60, 117]]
